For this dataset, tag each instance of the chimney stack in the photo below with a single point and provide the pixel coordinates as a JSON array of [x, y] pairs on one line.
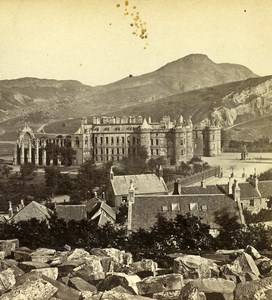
[[95, 194], [131, 199], [236, 191], [176, 186], [22, 203], [203, 185], [160, 172], [111, 173], [10, 210], [230, 185]]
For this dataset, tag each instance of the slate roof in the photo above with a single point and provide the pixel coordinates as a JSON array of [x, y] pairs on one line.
[[144, 184], [146, 208], [32, 210], [209, 189], [97, 212], [247, 190], [265, 188], [71, 212]]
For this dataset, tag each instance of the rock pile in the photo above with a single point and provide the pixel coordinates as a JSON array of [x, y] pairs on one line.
[[111, 274]]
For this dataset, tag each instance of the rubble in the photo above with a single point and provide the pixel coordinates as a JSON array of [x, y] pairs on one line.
[[77, 274]]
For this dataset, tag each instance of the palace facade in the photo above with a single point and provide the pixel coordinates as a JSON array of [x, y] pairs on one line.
[[107, 139]]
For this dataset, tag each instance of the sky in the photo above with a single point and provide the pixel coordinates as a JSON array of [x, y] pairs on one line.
[[92, 41]]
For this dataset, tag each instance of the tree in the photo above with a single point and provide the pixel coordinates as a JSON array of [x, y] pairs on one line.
[[52, 176], [122, 214], [267, 175], [27, 172]]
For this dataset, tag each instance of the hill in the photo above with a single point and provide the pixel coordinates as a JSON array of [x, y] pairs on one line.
[[40, 100]]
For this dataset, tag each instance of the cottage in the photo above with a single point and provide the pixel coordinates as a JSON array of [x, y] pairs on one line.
[[145, 184], [30, 211]]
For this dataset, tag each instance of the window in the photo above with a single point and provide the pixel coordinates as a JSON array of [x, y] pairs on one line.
[[175, 206], [107, 151], [157, 151], [204, 207], [95, 140], [123, 150], [107, 140], [152, 142], [164, 208], [152, 152], [157, 142], [124, 199], [134, 140], [117, 150], [117, 140], [182, 152], [123, 139], [251, 203], [112, 140], [193, 206], [101, 140], [181, 142]]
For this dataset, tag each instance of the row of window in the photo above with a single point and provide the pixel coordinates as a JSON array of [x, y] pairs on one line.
[[118, 140], [176, 207], [110, 151]]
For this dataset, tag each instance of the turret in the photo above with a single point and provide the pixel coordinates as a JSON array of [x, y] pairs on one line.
[[145, 136]]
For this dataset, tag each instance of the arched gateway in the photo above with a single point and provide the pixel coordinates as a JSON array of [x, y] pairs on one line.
[[35, 148]]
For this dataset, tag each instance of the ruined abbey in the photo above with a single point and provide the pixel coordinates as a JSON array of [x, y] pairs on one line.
[[107, 139]]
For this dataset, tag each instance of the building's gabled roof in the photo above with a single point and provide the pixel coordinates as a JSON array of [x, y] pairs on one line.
[[194, 190], [91, 203], [265, 188], [32, 210], [102, 212], [71, 212], [143, 183], [146, 208], [247, 190]]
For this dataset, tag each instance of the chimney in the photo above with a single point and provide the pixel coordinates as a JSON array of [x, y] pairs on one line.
[[22, 203], [203, 185], [95, 194], [236, 191], [160, 172], [255, 181], [10, 210], [111, 173], [131, 199], [176, 186], [103, 196], [230, 185]]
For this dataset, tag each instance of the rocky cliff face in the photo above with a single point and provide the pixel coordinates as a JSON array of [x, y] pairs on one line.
[[252, 102]]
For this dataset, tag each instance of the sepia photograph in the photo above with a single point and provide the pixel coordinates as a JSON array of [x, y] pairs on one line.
[[135, 150]]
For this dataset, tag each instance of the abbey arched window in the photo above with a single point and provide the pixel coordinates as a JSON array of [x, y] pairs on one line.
[[86, 141], [77, 141]]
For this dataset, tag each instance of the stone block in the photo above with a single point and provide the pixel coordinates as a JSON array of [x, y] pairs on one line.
[[163, 283], [63, 291], [29, 290], [49, 272], [7, 280], [191, 292], [81, 285], [129, 282], [27, 266]]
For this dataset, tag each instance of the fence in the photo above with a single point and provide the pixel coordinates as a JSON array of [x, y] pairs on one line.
[[183, 181]]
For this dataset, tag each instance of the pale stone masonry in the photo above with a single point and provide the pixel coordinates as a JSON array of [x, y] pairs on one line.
[[113, 138]]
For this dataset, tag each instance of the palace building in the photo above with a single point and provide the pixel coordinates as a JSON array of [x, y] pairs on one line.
[[107, 139]]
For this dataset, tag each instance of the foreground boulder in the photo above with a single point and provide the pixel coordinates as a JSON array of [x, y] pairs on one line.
[[38, 290], [63, 292], [215, 288], [193, 266], [159, 284], [27, 266], [112, 295], [7, 280], [255, 290], [49, 272], [9, 246], [43, 255], [81, 285], [143, 267], [129, 282], [190, 292], [119, 256]]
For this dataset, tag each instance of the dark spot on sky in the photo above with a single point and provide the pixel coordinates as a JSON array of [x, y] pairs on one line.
[[130, 76], [244, 10]]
